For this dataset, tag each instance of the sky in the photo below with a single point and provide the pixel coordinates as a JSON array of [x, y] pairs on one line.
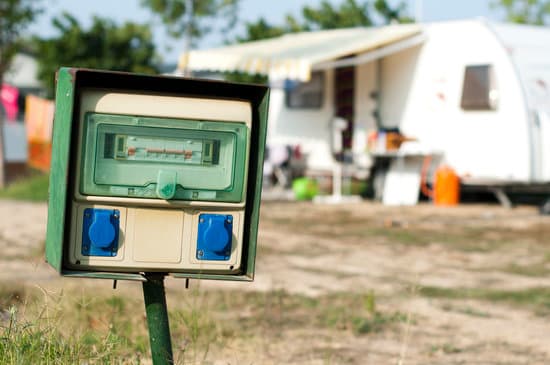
[[273, 11]]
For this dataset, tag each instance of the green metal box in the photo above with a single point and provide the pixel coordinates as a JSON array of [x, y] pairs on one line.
[[155, 174]]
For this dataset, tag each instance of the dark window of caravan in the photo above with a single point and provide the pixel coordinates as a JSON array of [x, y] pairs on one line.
[[306, 95], [479, 91]]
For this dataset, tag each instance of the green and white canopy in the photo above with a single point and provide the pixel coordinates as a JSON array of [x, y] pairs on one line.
[[294, 56]]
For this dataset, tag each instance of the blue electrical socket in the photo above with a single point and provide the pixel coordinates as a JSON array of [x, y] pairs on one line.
[[215, 235], [100, 231]]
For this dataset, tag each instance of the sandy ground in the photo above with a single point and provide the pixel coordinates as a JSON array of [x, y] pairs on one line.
[[394, 252]]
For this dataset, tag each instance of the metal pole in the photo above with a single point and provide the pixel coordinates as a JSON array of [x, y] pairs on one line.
[[190, 15], [419, 10], [157, 319]]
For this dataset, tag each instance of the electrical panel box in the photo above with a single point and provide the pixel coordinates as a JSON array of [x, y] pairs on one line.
[[155, 174]]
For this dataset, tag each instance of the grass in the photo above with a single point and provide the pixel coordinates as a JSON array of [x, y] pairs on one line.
[[466, 310], [280, 310], [477, 236], [41, 329], [540, 269], [535, 299], [31, 188], [35, 342], [76, 326], [446, 348], [340, 226]]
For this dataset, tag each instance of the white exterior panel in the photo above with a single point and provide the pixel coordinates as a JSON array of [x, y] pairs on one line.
[[529, 48], [308, 128], [422, 91]]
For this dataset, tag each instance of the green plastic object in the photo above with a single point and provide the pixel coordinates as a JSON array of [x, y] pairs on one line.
[[305, 188], [166, 184], [125, 156]]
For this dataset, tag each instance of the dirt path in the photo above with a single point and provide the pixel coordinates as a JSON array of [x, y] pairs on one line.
[[469, 281], [314, 250]]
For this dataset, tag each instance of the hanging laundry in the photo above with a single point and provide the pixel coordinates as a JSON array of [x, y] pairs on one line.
[[8, 96], [39, 123]]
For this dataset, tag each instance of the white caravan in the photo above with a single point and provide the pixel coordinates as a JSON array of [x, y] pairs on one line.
[[473, 92]]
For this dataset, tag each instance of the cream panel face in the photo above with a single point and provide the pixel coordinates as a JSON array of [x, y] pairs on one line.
[[127, 234], [165, 106], [157, 235]]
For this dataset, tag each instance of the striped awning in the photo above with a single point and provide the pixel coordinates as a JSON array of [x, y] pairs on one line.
[[294, 56]]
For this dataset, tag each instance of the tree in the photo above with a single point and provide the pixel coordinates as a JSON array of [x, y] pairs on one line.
[[392, 15], [525, 11], [350, 13], [261, 29], [105, 45], [191, 17], [353, 13], [15, 17]]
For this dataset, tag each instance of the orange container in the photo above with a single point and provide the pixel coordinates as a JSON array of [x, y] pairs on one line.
[[446, 186]]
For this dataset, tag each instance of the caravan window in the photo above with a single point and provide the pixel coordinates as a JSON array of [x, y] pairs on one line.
[[306, 95], [479, 89]]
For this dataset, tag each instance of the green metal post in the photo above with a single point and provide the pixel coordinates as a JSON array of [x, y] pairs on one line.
[[157, 319]]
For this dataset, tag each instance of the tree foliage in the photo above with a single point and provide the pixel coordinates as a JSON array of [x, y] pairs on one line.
[[392, 15], [525, 11], [105, 45], [349, 13], [261, 29], [173, 14], [353, 13], [15, 17]]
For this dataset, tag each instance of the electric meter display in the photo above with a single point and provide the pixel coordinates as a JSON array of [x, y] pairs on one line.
[[186, 151], [131, 156]]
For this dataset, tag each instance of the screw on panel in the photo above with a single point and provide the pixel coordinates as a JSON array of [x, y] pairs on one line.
[[200, 253], [201, 220]]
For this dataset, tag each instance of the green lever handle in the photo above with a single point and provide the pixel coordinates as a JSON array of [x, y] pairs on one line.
[[166, 184]]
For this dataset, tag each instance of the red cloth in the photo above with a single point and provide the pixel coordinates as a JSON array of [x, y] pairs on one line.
[[8, 96]]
